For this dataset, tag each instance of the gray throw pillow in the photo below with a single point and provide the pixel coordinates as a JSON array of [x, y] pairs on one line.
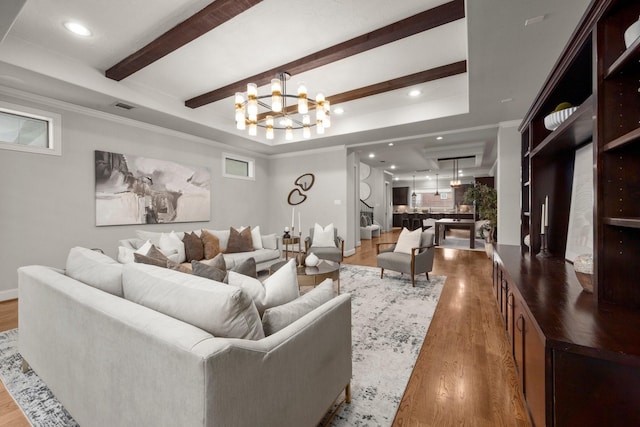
[[279, 317], [207, 271], [153, 257], [247, 267]]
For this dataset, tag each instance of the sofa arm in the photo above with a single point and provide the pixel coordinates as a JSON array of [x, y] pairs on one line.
[[289, 378]]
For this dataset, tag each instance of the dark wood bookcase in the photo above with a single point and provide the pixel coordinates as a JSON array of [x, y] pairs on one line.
[[578, 354]]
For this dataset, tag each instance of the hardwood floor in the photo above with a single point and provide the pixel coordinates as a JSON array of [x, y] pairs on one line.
[[464, 375]]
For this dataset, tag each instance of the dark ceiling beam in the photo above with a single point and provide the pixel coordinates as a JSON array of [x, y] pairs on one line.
[[448, 70], [415, 24], [207, 19]]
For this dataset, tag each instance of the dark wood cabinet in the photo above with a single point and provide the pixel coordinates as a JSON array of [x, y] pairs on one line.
[[578, 354], [400, 195]]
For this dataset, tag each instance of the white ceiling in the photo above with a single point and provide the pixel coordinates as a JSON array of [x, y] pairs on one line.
[[506, 60]]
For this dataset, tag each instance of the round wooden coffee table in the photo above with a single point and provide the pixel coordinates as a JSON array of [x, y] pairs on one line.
[[313, 276]]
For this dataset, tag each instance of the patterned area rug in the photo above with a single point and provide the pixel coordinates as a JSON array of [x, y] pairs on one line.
[[390, 320], [461, 243], [34, 398]]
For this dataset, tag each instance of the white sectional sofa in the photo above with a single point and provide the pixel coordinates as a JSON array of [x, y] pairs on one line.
[[266, 248], [112, 361]]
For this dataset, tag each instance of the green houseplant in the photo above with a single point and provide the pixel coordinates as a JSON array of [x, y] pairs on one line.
[[486, 201]]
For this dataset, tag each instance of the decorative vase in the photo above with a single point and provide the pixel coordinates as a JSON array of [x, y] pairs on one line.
[[583, 265], [312, 260], [632, 33]]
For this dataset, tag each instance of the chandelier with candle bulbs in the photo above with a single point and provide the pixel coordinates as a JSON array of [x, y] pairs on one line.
[[277, 115]]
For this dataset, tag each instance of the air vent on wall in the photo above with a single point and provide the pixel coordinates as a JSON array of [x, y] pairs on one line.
[[123, 106]]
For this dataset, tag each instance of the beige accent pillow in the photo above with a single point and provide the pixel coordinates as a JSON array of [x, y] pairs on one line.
[[279, 288], [239, 241], [211, 244], [408, 240], [277, 318], [183, 268]]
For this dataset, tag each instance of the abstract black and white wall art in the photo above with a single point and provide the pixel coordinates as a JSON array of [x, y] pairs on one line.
[[138, 190], [580, 232]]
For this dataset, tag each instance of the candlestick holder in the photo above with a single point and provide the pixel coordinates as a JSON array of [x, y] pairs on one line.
[[544, 244], [300, 256]]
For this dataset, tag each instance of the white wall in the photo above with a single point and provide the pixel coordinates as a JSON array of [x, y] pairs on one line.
[[47, 203], [326, 201], [508, 183]]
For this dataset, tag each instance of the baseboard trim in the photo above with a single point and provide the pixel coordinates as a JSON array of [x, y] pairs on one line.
[[9, 294], [350, 252]]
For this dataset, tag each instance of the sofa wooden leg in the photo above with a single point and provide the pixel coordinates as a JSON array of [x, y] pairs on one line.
[[381, 272], [347, 393], [428, 280], [25, 366], [413, 281]]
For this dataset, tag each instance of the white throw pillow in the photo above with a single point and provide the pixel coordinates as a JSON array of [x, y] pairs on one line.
[[408, 240], [323, 237], [277, 318], [279, 288], [125, 255], [95, 269], [221, 310], [270, 241], [170, 242]]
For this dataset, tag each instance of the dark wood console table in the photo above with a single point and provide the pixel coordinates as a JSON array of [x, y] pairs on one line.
[[578, 360]]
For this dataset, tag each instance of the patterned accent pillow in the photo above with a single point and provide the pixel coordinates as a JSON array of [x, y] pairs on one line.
[[153, 257], [239, 241], [193, 247], [211, 245], [184, 268]]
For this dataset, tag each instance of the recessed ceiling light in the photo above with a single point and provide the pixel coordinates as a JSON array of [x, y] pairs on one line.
[[439, 138], [338, 110], [506, 100], [414, 93], [371, 156], [393, 166], [395, 178], [77, 29], [391, 144]]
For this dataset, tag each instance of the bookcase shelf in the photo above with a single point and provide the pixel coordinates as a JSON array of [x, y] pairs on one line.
[[600, 74]]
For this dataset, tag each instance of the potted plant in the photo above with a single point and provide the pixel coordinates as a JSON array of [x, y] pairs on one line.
[[485, 199]]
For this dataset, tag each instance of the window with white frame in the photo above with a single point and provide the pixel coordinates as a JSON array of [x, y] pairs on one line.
[[238, 167], [29, 129]]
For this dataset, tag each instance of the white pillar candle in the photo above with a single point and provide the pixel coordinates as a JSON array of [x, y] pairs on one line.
[[292, 212], [546, 211], [299, 223], [542, 220]]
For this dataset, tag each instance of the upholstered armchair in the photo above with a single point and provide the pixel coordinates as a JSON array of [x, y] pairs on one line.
[[369, 229], [335, 254], [419, 261]]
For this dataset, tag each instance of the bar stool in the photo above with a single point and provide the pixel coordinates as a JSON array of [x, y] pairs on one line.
[[416, 222], [405, 220]]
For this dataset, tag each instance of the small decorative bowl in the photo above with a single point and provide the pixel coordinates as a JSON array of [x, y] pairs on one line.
[[553, 120], [632, 33], [583, 265]]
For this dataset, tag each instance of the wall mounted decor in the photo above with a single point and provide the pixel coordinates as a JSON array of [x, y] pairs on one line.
[[305, 182], [138, 190]]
